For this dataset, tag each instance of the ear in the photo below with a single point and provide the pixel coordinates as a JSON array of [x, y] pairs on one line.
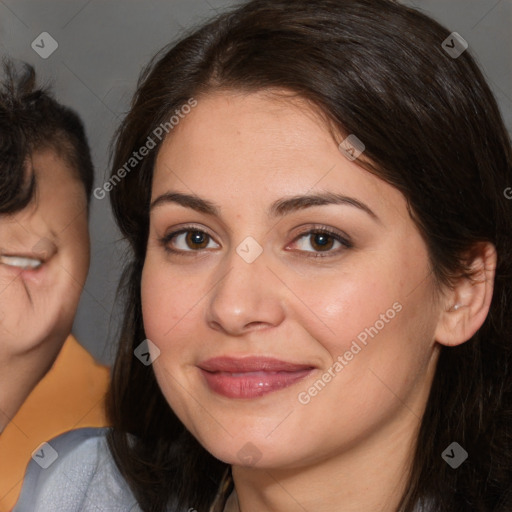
[[465, 307]]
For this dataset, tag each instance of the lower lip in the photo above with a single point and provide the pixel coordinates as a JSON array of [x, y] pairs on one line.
[[27, 274], [251, 384]]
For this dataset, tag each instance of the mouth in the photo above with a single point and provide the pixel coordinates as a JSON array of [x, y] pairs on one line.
[[251, 377], [21, 262]]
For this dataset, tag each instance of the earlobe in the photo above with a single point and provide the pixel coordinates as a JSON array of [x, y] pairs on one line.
[[466, 306]]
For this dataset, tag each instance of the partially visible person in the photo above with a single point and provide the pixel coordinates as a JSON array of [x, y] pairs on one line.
[[46, 177]]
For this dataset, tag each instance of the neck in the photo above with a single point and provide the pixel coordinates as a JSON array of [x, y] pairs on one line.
[[19, 374], [371, 476]]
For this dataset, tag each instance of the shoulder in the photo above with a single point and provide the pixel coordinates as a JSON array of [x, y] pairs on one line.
[[75, 472]]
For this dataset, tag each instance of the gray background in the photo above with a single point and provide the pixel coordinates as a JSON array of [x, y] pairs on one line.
[[102, 47]]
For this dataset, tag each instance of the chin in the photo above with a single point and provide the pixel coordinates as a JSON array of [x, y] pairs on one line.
[[256, 451]]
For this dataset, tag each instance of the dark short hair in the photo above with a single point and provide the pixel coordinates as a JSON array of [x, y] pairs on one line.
[[31, 120], [433, 130]]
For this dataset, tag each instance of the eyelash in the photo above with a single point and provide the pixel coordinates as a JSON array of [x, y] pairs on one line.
[[347, 244]]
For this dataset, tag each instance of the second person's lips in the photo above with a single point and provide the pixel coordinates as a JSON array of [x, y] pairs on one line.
[[22, 262]]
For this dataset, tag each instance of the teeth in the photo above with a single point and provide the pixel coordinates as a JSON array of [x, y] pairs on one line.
[[18, 261]]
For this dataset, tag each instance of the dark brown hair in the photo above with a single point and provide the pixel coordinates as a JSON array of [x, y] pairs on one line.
[[31, 120], [432, 129]]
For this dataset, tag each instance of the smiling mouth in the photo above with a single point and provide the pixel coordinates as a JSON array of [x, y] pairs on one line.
[[21, 262], [251, 377]]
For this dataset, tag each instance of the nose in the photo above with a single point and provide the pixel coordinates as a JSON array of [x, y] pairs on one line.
[[247, 297]]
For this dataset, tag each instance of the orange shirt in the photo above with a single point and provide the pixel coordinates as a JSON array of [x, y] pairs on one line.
[[71, 395]]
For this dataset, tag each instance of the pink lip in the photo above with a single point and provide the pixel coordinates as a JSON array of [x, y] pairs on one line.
[[35, 275], [251, 377]]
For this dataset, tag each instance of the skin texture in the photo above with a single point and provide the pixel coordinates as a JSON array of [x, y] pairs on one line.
[[38, 306], [351, 443]]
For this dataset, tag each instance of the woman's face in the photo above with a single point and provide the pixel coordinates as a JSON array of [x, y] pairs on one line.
[[348, 322]]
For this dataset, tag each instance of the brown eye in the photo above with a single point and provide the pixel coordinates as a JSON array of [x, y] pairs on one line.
[[322, 240], [197, 238], [186, 240]]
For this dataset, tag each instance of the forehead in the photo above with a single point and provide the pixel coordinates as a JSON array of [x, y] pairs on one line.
[[59, 189], [257, 144], [51, 164], [235, 133]]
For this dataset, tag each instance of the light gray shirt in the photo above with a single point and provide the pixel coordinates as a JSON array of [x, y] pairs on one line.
[[81, 477], [75, 472]]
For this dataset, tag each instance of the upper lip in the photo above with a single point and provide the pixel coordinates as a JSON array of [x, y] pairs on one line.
[[250, 364]]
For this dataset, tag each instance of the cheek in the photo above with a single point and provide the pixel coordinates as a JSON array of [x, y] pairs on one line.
[[14, 303], [344, 307], [371, 318], [167, 303], [168, 315], [151, 288], [81, 250], [75, 259]]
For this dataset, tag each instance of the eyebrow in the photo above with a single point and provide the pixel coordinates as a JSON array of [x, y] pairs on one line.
[[278, 208]]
